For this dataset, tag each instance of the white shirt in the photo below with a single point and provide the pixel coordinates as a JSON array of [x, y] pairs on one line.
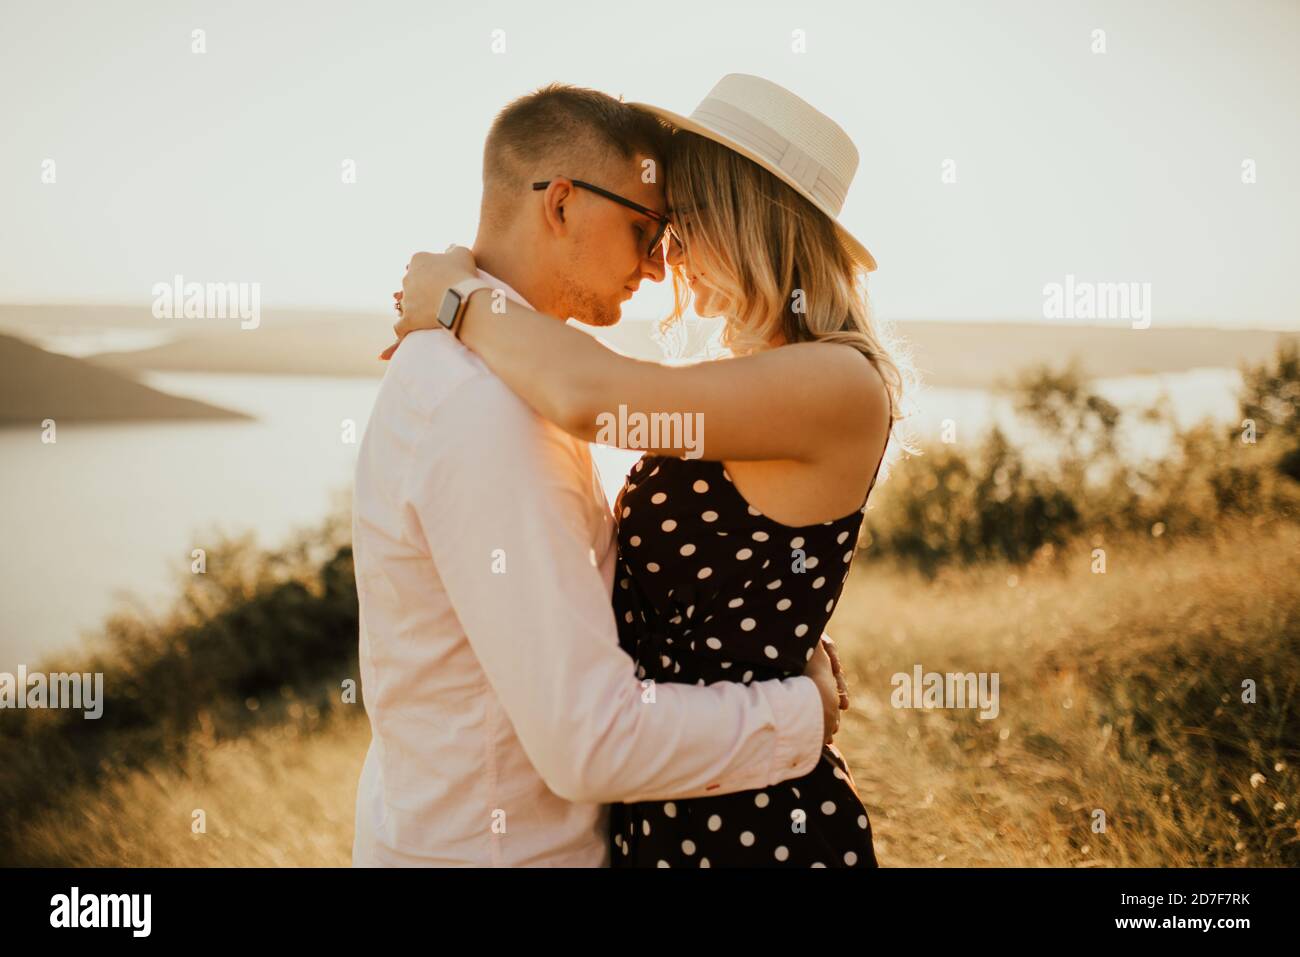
[[503, 713]]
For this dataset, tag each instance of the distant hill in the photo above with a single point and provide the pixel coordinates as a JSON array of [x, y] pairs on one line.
[[37, 385], [285, 342], [978, 354], [334, 343]]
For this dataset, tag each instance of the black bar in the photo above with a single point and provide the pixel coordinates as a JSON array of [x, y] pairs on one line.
[[982, 908]]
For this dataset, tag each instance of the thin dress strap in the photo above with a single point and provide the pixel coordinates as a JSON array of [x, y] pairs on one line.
[[889, 433]]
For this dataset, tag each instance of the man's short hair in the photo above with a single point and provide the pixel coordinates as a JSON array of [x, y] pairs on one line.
[[562, 130]]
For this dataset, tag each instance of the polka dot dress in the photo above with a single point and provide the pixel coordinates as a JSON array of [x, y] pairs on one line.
[[710, 589]]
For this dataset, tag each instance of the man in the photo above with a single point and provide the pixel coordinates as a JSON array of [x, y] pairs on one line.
[[504, 714]]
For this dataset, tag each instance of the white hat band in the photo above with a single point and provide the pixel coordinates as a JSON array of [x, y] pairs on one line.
[[755, 135]]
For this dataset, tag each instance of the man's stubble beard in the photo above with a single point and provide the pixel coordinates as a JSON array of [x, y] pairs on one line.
[[579, 302]]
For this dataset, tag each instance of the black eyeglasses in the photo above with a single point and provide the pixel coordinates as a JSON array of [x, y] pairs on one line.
[[662, 222]]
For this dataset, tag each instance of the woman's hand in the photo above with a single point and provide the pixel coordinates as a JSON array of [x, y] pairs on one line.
[[428, 277]]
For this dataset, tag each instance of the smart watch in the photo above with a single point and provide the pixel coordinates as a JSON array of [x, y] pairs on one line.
[[454, 301]]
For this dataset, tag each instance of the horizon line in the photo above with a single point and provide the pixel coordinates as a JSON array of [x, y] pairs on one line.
[[1182, 322]]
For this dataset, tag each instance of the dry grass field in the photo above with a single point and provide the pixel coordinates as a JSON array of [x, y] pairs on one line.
[[1119, 692]]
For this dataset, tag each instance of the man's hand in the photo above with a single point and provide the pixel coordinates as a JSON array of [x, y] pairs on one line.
[[821, 672], [829, 646]]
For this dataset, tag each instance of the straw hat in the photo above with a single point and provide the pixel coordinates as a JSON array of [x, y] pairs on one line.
[[801, 146]]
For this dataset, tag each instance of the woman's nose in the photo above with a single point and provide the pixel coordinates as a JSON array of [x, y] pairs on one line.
[[675, 252], [653, 265]]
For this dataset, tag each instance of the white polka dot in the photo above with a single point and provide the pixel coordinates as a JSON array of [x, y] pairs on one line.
[[761, 799], [745, 678], [818, 864], [747, 584], [713, 643], [670, 809], [645, 827], [668, 525], [748, 624], [634, 541], [800, 631], [808, 657], [830, 604], [760, 536], [747, 838], [715, 822], [811, 562], [753, 511], [690, 610], [687, 550], [626, 512], [665, 660], [627, 618], [862, 821], [735, 603], [828, 807], [782, 853], [796, 794], [704, 573], [700, 485], [688, 848], [652, 566], [819, 582], [773, 586], [663, 864], [623, 583], [770, 651], [783, 604], [710, 516], [726, 475], [744, 553], [840, 539], [796, 542], [850, 858], [658, 498]]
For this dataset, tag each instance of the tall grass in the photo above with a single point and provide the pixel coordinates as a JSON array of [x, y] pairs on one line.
[[259, 638], [1122, 686], [1120, 691]]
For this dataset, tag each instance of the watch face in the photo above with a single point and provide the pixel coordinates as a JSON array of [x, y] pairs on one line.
[[450, 306]]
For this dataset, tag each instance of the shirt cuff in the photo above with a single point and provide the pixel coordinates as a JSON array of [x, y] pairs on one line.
[[797, 710]]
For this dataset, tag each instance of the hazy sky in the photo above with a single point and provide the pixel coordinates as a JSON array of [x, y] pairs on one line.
[[1123, 166]]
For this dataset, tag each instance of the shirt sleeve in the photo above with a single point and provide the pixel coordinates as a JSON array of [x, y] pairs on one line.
[[503, 502]]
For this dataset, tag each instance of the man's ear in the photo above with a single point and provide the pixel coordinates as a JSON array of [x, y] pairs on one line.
[[557, 196]]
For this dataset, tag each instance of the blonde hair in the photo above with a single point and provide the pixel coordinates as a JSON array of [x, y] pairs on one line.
[[776, 261]]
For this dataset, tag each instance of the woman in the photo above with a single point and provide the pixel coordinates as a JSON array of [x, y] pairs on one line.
[[731, 561]]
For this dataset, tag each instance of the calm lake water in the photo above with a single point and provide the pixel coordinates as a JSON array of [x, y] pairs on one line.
[[115, 509]]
